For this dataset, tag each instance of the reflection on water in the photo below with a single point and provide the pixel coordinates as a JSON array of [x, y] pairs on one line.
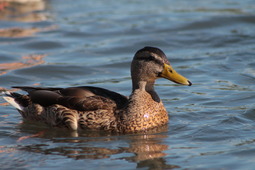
[[147, 150], [23, 32], [62, 43], [23, 11], [26, 61]]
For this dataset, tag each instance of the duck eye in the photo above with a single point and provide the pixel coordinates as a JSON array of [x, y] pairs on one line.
[[159, 74], [170, 70], [151, 58]]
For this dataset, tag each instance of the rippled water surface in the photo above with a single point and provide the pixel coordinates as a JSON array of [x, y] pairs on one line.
[[72, 43]]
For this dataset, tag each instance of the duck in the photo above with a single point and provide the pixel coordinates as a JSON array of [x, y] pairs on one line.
[[99, 109]]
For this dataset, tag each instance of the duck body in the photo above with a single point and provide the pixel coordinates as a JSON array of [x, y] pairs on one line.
[[95, 108], [85, 108], [76, 108], [143, 115]]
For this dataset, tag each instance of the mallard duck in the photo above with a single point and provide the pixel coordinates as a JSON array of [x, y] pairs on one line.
[[95, 108]]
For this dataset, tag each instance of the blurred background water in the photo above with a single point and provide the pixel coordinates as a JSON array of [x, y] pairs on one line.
[[73, 43]]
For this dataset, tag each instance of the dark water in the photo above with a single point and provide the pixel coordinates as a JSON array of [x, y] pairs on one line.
[[73, 43]]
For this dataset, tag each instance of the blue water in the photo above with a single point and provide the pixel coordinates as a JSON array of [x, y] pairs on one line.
[[73, 43]]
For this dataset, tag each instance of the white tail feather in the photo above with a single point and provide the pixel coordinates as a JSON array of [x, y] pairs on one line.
[[12, 101]]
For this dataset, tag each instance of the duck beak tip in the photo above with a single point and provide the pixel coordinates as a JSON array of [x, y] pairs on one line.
[[189, 83]]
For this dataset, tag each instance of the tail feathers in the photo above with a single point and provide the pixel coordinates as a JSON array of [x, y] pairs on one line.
[[10, 98]]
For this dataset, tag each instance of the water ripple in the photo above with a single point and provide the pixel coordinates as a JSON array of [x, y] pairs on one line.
[[47, 43]]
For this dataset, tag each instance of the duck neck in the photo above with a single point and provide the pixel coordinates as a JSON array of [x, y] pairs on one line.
[[147, 86]]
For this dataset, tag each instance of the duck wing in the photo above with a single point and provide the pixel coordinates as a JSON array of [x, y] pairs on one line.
[[82, 98]]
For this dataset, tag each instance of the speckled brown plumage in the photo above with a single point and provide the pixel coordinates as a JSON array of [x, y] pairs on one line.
[[96, 108]]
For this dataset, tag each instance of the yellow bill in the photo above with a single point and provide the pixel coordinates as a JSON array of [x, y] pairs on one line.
[[170, 74]]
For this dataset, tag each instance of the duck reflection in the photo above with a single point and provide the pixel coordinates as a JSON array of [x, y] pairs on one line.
[[146, 146], [147, 150]]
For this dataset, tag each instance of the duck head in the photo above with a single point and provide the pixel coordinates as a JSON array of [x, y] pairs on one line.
[[150, 63]]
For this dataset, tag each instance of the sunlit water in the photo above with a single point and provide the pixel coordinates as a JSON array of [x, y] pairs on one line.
[[74, 43]]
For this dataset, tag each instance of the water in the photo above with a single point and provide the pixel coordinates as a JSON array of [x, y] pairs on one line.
[[74, 43]]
